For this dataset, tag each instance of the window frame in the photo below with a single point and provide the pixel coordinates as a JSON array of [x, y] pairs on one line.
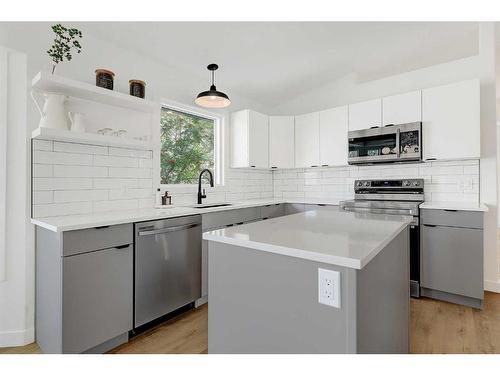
[[218, 143]]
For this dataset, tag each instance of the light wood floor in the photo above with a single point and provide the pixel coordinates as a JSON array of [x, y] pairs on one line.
[[436, 327]]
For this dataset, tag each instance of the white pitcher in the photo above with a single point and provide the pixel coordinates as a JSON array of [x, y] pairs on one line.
[[53, 113], [77, 122]]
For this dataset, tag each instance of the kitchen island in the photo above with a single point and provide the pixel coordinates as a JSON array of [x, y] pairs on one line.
[[266, 281]]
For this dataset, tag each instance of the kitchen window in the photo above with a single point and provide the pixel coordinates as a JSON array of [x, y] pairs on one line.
[[189, 143]]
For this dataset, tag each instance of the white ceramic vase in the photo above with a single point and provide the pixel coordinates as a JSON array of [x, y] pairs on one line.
[[53, 114]]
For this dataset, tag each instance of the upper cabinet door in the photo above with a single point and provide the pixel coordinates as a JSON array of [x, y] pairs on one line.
[[249, 140], [403, 108], [451, 121], [258, 144], [307, 140], [365, 115], [281, 142], [333, 124]]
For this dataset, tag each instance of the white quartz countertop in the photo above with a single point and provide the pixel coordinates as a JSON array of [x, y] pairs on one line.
[[335, 237], [75, 222], [460, 206]]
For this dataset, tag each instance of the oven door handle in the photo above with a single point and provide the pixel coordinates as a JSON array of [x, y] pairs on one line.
[[167, 230]]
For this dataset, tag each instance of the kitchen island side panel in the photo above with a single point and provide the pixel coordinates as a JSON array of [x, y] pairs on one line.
[[268, 303], [383, 303]]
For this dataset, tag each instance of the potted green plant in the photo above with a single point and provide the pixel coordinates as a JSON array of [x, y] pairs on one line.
[[65, 42]]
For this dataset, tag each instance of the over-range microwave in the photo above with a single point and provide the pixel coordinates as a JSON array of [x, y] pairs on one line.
[[390, 143]]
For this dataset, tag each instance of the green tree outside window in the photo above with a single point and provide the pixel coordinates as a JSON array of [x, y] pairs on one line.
[[187, 146]]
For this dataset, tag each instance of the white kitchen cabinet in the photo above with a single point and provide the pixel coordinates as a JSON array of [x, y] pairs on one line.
[[249, 140], [333, 125], [307, 140], [365, 115], [402, 108], [281, 142], [451, 121]]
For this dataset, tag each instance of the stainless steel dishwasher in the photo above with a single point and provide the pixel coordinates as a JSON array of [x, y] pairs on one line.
[[167, 266]]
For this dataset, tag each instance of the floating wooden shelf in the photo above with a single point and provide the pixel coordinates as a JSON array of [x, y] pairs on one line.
[[53, 83], [89, 138]]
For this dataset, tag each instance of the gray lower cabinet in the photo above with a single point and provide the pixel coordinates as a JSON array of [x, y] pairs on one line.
[[97, 297], [452, 256], [84, 289]]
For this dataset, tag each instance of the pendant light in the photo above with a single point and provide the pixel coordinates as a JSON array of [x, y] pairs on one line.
[[212, 98]]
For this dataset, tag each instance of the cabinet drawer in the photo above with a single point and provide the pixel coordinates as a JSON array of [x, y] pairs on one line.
[[272, 210], [81, 241], [221, 219], [97, 298], [453, 218], [452, 260]]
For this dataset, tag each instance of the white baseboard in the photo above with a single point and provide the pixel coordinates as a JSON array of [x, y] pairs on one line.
[[492, 285], [17, 338]]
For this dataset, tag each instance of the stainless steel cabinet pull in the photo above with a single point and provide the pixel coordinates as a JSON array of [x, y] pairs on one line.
[[167, 230]]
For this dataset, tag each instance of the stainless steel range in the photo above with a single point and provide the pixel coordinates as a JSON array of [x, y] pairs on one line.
[[393, 197]]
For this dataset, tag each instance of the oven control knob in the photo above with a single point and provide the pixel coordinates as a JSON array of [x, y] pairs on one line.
[[359, 183], [367, 183], [416, 183], [406, 183]]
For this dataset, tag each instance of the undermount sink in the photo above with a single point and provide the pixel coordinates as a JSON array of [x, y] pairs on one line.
[[211, 205]]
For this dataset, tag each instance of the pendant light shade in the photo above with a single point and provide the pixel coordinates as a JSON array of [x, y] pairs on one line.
[[212, 98]]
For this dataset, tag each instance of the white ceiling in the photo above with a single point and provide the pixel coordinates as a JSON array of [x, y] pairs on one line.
[[276, 61]]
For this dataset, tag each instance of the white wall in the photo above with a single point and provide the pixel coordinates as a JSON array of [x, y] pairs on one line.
[[348, 90], [16, 290]]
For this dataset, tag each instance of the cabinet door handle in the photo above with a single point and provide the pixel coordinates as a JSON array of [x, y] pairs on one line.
[[102, 227], [448, 210], [274, 167], [252, 166], [430, 225], [122, 247], [314, 166], [324, 165], [431, 159]]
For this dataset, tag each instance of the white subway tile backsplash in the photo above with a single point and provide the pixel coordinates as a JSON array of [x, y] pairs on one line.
[[130, 153], [43, 197], [43, 170], [79, 171], [130, 172], [115, 183], [62, 158], [78, 148], [115, 161], [130, 194], [63, 196], [444, 180], [52, 183], [145, 163]]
